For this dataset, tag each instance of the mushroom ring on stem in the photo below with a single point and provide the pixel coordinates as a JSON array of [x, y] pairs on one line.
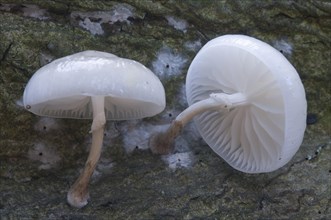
[[93, 85], [247, 102]]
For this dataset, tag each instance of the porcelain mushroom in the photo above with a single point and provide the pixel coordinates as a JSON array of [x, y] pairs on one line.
[[93, 85], [247, 102]]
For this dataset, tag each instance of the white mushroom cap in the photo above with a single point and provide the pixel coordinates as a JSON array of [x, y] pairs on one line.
[[264, 134], [63, 87]]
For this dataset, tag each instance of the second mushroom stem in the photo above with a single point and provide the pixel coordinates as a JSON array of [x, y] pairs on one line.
[[78, 194], [163, 143]]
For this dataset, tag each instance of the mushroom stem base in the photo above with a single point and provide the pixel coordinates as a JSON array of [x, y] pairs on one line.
[[164, 142], [78, 194]]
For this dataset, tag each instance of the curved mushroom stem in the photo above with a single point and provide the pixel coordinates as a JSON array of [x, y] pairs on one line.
[[163, 142], [78, 194]]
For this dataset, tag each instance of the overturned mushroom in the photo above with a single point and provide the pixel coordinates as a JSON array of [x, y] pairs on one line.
[[96, 85], [247, 101]]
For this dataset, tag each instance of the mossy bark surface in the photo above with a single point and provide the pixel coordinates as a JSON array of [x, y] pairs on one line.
[[39, 160]]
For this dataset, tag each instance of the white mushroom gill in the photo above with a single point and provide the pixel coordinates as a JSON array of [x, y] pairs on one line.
[[163, 142], [216, 101]]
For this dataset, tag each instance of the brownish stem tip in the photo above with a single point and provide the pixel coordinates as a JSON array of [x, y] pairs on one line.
[[164, 142]]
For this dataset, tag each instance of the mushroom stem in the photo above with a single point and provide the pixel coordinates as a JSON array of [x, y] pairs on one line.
[[216, 101], [163, 142], [78, 194]]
